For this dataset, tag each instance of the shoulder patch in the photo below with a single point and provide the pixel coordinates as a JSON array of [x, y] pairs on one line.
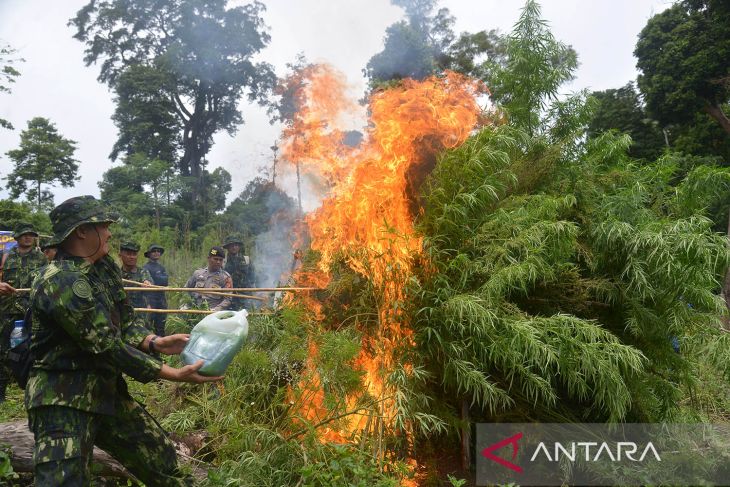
[[49, 271], [82, 289]]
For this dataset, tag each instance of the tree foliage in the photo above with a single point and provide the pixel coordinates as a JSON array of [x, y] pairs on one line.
[[425, 44], [145, 115], [683, 54], [194, 61], [8, 73], [622, 110], [44, 157]]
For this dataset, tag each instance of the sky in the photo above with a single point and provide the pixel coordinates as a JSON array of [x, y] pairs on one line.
[[55, 83]]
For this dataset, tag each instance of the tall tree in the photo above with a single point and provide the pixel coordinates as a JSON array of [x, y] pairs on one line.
[[425, 43], [145, 114], [204, 52], [8, 73], [44, 157], [683, 55], [413, 46]]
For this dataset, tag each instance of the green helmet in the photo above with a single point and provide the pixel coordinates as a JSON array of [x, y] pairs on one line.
[[154, 247], [233, 239], [76, 211], [24, 228], [129, 245]]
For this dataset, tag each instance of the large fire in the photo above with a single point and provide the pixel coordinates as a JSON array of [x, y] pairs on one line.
[[367, 215]]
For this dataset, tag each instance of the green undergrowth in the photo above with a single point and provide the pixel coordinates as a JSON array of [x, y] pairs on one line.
[[253, 429]]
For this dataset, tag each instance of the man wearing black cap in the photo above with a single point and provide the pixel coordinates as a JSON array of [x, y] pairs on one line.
[[159, 278], [213, 276], [18, 268], [83, 339], [128, 252]]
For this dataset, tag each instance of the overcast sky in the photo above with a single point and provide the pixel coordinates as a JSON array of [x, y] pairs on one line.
[[55, 83]]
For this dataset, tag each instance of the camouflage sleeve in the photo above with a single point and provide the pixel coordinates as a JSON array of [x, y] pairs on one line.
[[135, 332], [70, 302]]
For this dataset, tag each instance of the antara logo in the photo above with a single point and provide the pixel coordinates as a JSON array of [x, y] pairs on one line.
[[512, 440], [570, 451], [627, 448]]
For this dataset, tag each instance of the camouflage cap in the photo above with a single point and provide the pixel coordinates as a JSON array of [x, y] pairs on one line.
[[45, 243], [24, 228], [232, 239], [76, 211], [129, 245], [154, 247], [217, 252]]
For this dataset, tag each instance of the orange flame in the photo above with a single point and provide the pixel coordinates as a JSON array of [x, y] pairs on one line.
[[367, 216]]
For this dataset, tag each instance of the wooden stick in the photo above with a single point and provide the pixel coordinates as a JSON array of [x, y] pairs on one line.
[[163, 288], [199, 290], [234, 289], [184, 311]]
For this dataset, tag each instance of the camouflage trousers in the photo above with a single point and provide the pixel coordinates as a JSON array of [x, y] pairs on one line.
[[65, 439]]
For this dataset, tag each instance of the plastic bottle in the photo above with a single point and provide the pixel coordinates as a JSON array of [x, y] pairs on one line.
[[216, 339], [17, 335]]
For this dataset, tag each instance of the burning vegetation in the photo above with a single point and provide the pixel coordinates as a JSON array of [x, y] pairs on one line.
[[366, 219]]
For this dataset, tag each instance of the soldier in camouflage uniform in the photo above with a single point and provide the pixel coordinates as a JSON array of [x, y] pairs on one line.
[[159, 278], [128, 252], [238, 266], [83, 338], [212, 276], [18, 268]]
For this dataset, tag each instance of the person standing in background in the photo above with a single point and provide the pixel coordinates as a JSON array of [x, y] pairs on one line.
[[18, 267], [159, 278]]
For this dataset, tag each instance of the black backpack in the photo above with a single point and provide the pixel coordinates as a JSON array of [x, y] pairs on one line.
[[20, 359]]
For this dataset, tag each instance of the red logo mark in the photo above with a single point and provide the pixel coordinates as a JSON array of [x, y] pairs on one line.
[[487, 452]]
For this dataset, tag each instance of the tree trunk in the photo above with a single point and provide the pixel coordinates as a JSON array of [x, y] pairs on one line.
[[39, 195], [715, 111]]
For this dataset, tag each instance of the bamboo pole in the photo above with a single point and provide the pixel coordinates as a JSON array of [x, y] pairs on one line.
[[186, 311], [199, 290], [154, 288], [234, 289]]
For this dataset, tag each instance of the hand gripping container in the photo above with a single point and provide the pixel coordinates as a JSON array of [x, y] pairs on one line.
[[216, 339]]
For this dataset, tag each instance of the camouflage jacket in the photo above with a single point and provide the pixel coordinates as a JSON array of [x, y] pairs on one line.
[[159, 278], [138, 299], [240, 269], [203, 278], [83, 337], [19, 271]]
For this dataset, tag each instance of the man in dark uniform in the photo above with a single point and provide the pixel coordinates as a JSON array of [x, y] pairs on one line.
[[83, 338], [159, 278], [18, 267], [238, 266]]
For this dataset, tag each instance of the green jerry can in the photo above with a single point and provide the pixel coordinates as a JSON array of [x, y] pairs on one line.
[[216, 339]]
